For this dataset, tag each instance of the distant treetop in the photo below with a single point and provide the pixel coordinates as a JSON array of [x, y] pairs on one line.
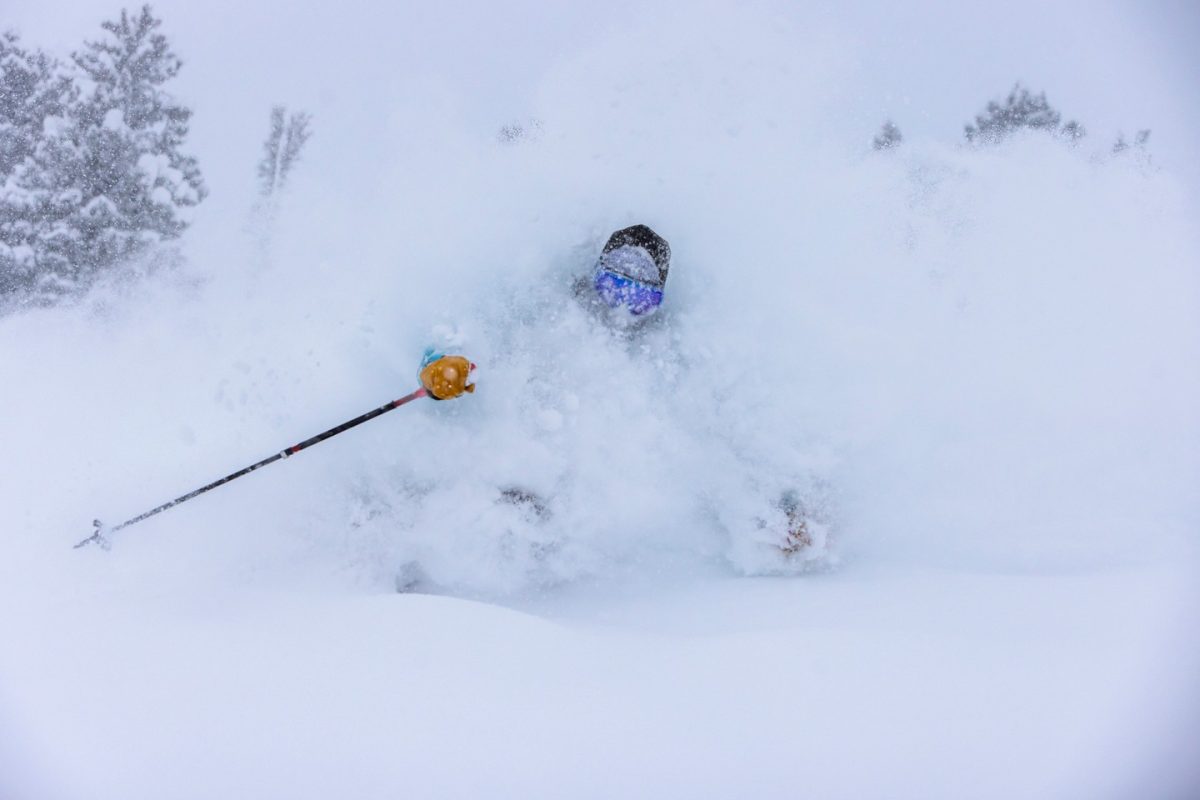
[[1020, 109], [889, 136]]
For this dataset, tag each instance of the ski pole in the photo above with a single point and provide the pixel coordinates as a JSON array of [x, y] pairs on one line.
[[99, 538]]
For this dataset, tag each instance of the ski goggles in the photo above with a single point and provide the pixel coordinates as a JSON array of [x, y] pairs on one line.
[[622, 291]]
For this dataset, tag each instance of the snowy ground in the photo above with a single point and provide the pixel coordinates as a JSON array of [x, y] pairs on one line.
[[868, 683], [988, 356]]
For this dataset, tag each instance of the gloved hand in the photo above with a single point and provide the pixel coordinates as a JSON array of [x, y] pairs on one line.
[[445, 377]]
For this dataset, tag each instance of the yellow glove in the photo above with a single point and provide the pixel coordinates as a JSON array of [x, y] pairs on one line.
[[446, 377]]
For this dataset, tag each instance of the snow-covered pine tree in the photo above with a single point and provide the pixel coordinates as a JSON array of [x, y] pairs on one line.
[[35, 95], [1139, 141], [889, 136], [520, 132], [268, 165], [1020, 110], [1139, 151], [131, 177], [1072, 132], [281, 150]]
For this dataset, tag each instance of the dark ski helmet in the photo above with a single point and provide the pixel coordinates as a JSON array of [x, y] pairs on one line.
[[632, 270]]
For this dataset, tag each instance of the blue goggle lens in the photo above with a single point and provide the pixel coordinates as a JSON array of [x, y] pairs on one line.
[[617, 291]]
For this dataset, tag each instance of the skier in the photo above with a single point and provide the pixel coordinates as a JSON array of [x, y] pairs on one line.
[[770, 520]]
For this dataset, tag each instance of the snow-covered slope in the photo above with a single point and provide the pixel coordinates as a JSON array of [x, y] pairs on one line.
[[987, 357], [864, 683]]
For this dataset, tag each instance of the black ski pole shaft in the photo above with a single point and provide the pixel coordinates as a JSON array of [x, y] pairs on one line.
[[285, 453]]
